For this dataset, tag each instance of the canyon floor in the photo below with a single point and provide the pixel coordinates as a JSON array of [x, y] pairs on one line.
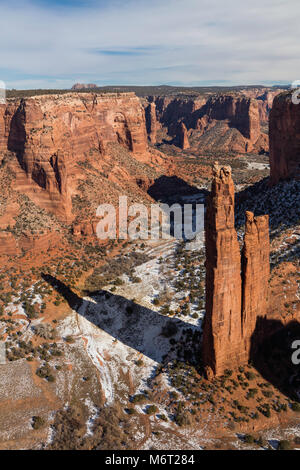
[[103, 344]]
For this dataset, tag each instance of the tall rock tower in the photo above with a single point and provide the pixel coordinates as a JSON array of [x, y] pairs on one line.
[[151, 122], [255, 273], [236, 286], [222, 327], [183, 138]]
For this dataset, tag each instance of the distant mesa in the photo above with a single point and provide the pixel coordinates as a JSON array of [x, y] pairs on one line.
[[84, 86]]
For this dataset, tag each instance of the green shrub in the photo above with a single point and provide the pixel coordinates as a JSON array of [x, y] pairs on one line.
[[284, 445], [249, 439], [37, 422], [295, 407], [151, 410]]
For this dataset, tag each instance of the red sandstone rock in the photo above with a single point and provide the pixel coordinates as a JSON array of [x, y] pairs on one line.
[[222, 325], [255, 273], [151, 122], [284, 135], [242, 113], [182, 136], [233, 300], [265, 103], [51, 134]]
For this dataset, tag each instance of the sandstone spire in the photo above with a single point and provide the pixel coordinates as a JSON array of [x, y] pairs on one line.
[[255, 273], [183, 137], [151, 122], [234, 299]]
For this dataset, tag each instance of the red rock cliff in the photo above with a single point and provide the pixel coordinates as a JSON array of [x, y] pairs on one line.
[[151, 122], [50, 134], [182, 136], [234, 299], [284, 130]]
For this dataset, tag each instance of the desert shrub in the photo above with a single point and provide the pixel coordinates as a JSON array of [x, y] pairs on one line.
[[250, 375], [37, 422], [44, 331], [182, 419], [69, 339], [249, 439], [138, 398], [295, 407], [261, 441], [169, 329], [284, 445], [151, 410]]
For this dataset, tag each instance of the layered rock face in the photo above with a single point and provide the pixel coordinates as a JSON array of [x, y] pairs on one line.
[[265, 103], [229, 121], [151, 122], [284, 130], [242, 112], [255, 273], [51, 134], [182, 135], [171, 110], [222, 326], [236, 287]]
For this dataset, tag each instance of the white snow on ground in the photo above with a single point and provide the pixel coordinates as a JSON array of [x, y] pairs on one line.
[[115, 339], [94, 413], [258, 166]]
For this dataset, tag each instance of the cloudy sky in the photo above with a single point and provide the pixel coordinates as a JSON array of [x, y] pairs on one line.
[[55, 43]]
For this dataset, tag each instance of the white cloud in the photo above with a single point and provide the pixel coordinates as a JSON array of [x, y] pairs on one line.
[[184, 41]]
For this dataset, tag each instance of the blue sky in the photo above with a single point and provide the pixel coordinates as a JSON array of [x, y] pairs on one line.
[[55, 43]]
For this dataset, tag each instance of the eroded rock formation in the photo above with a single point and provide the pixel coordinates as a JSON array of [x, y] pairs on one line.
[[50, 135], [182, 136], [228, 121], [255, 273], [222, 330], [242, 113], [284, 130], [151, 122], [84, 86], [234, 299]]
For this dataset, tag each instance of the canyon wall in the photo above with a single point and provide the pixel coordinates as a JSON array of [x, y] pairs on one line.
[[151, 122], [255, 273], [242, 113], [284, 131], [236, 286]]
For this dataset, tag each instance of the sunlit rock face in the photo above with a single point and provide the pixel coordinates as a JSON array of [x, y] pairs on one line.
[[284, 129], [236, 286]]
